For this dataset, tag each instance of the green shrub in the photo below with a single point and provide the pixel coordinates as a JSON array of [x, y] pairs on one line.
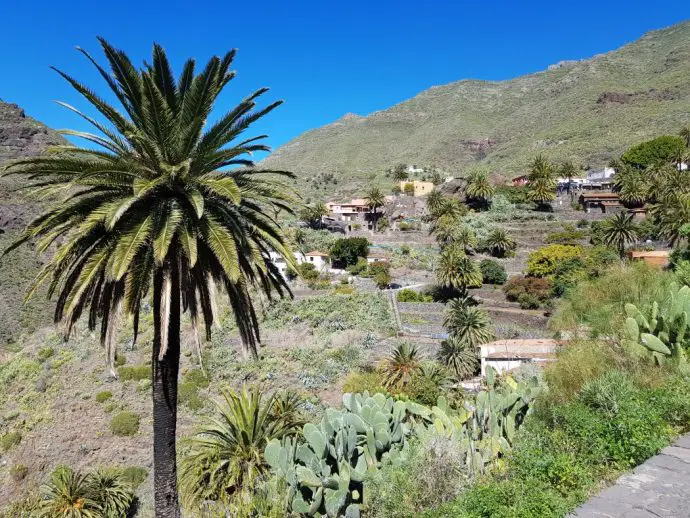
[[45, 353], [582, 223], [109, 407], [103, 396], [124, 423], [519, 286], [134, 372], [528, 301], [144, 386], [188, 394], [197, 377], [365, 381], [120, 359], [134, 476], [428, 477], [565, 237], [408, 295], [359, 268], [405, 249], [546, 260], [10, 440], [307, 271], [18, 472], [493, 272], [382, 280], [347, 250]]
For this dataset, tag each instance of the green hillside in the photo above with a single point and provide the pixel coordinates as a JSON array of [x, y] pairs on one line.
[[587, 110]]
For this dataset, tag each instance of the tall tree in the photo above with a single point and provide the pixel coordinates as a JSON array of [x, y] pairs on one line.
[[160, 204], [499, 243], [479, 190], [619, 230], [313, 215], [456, 270], [400, 172], [375, 199], [541, 188]]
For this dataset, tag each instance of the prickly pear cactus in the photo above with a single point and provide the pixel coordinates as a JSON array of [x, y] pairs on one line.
[[661, 329], [325, 472]]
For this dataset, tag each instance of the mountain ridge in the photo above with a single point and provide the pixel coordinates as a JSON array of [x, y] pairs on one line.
[[586, 110]]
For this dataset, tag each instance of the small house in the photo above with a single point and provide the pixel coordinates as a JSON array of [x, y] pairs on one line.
[[318, 259], [604, 201], [416, 188], [376, 256], [506, 355], [656, 258]]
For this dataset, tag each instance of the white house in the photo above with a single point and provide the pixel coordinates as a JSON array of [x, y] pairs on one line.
[[506, 355], [318, 259], [375, 256]]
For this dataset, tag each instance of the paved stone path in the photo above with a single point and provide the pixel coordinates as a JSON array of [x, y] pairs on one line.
[[658, 488]]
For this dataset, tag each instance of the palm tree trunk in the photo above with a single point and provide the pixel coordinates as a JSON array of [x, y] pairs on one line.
[[165, 373]]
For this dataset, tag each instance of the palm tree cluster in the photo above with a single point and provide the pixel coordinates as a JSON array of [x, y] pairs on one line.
[[313, 215], [401, 365], [70, 494], [663, 187], [468, 327], [160, 204], [456, 270]]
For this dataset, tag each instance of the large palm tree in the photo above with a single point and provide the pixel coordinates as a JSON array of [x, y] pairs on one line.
[[468, 323], [632, 186], [459, 357], [499, 243], [434, 200], [456, 270], [618, 231], [479, 190], [541, 188], [375, 199], [226, 460], [162, 205], [399, 367]]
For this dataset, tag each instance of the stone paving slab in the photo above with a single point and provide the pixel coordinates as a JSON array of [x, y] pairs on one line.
[[657, 488]]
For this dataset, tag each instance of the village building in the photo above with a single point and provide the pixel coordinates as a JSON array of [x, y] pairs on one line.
[[352, 213], [656, 258], [318, 259], [376, 256], [605, 202], [418, 188], [506, 355]]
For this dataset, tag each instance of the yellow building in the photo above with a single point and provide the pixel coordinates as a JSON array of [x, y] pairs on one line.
[[418, 188]]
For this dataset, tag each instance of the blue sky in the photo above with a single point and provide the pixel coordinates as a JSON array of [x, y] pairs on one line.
[[323, 58]]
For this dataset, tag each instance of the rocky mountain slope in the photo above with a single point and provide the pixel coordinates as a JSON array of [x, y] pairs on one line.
[[20, 136], [587, 110]]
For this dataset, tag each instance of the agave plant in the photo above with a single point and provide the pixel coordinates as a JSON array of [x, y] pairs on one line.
[[226, 461], [459, 357], [69, 494], [401, 365]]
